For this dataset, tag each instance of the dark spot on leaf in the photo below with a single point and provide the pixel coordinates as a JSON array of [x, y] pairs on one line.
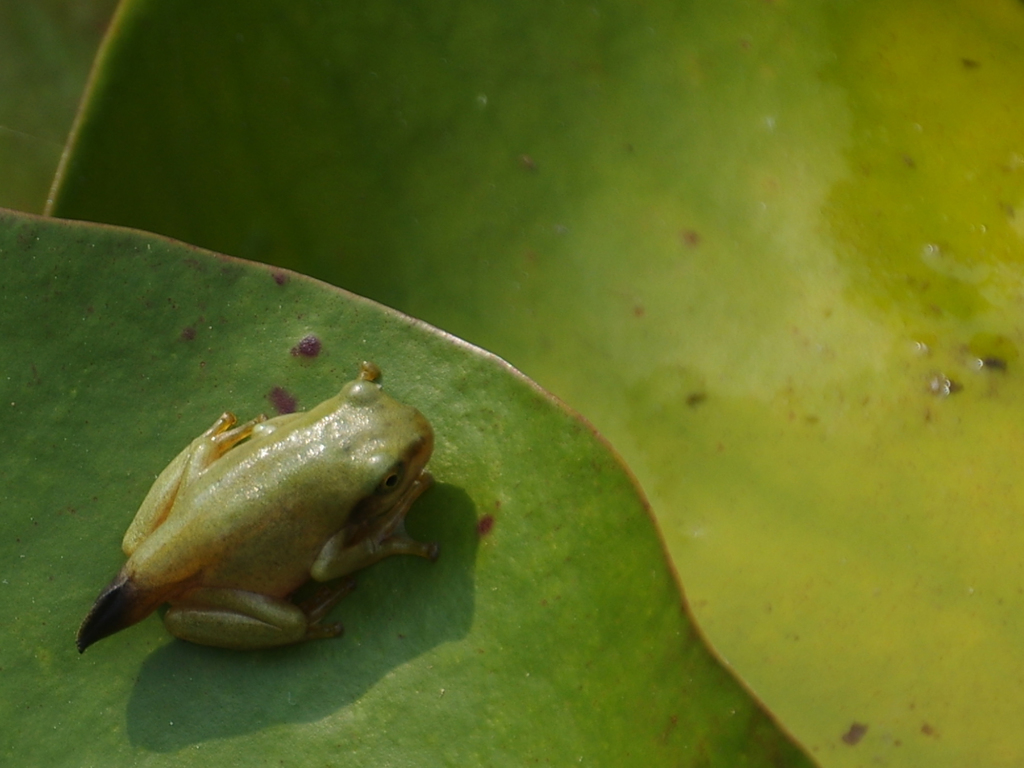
[[280, 278], [282, 400], [690, 238], [927, 730], [970, 63], [993, 350], [307, 347], [484, 525], [696, 398], [855, 734], [909, 161], [188, 333], [639, 310], [673, 721]]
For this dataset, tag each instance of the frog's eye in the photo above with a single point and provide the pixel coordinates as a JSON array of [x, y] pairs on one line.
[[392, 479]]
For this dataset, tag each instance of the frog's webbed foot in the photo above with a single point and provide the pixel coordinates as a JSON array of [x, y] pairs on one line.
[[216, 441], [224, 435]]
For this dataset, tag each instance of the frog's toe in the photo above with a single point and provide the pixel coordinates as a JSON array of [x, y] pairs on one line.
[[325, 598], [324, 631]]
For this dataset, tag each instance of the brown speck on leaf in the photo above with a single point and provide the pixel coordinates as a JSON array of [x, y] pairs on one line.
[[670, 726], [639, 310], [282, 400], [280, 278], [696, 398], [188, 333], [309, 346], [690, 238], [484, 525], [927, 730], [909, 161], [855, 734], [970, 63], [995, 363]]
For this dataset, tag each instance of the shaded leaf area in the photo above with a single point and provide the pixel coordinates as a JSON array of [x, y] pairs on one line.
[[46, 48], [550, 629]]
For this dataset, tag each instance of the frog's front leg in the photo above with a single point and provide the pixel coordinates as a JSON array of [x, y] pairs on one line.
[[338, 559], [184, 469], [234, 618]]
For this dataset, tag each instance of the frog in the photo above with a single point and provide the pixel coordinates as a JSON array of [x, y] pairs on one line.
[[246, 514]]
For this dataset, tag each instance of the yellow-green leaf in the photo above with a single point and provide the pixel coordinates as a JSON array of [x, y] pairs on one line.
[[771, 249]]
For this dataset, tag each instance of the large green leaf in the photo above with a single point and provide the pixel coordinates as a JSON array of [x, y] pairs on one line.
[[550, 629], [46, 47], [752, 241]]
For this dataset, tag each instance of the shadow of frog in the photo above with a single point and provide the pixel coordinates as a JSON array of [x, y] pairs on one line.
[[402, 607]]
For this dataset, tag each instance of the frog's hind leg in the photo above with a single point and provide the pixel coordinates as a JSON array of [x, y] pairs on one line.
[[234, 618], [184, 469]]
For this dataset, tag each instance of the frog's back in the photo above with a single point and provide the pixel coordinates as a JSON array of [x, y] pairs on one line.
[[256, 522]]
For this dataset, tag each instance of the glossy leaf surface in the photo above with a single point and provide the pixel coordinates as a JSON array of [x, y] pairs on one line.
[[772, 250], [550, 629]]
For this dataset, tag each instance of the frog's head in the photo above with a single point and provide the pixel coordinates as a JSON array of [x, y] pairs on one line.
[[395, 444]]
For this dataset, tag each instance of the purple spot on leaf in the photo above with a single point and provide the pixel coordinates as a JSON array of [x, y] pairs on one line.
[[484, 525], [308, 347], [283, 400], [855, 734]]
